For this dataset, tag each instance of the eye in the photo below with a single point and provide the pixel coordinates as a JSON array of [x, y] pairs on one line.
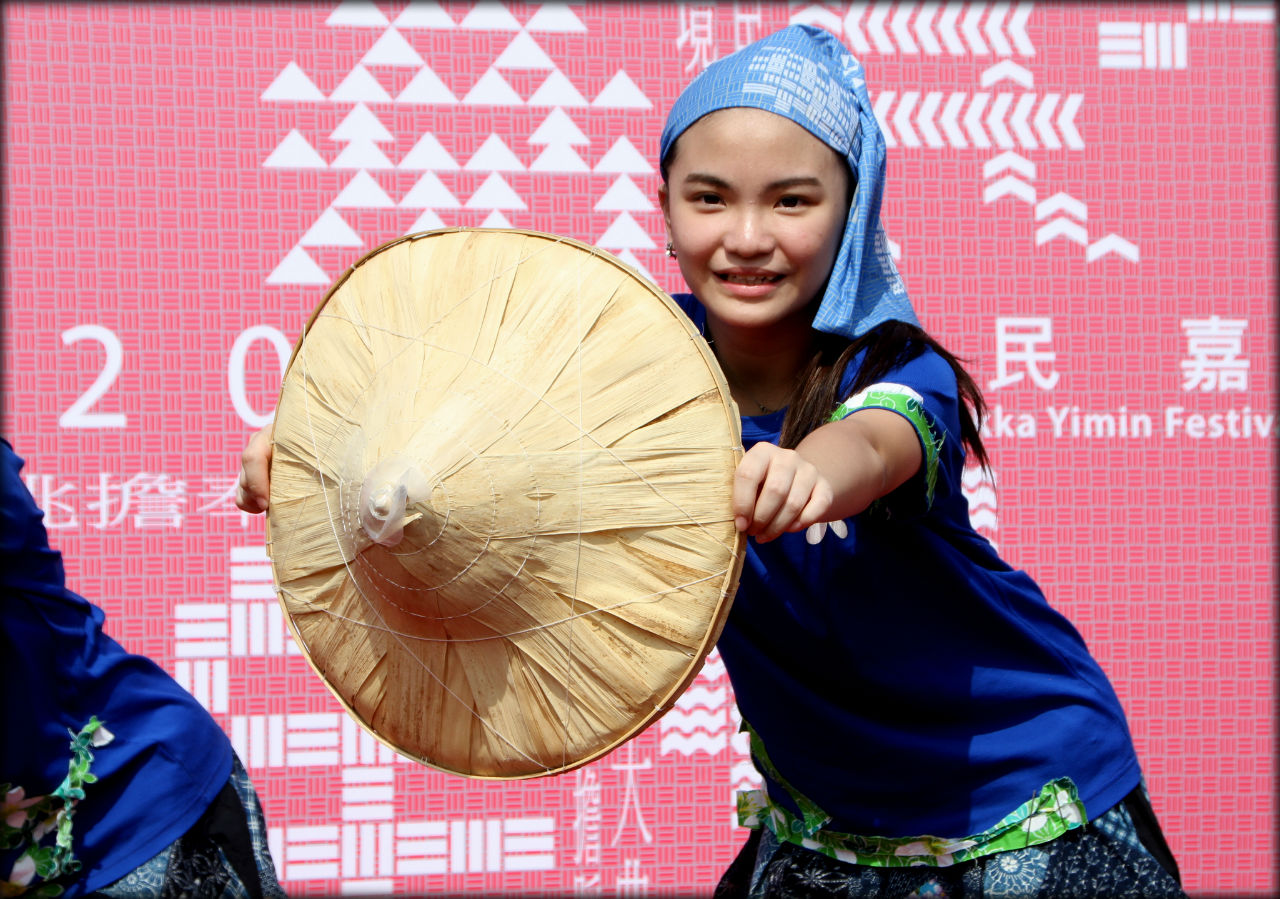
[[793, 201], [707, 198]]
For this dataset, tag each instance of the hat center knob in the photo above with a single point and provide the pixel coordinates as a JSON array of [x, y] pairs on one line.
[[387, 491]]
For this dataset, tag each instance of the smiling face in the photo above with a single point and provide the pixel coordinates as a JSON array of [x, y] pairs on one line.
[[755, 207]]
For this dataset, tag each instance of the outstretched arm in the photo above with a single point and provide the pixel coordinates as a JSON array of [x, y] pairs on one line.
[[836, 471]]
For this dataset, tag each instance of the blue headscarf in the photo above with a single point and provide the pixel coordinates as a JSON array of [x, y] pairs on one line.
[[807, 75]]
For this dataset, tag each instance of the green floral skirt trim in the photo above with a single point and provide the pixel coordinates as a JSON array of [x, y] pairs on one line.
[[1054, 811], [26, 821]]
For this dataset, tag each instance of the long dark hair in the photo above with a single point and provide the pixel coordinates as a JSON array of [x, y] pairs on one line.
[[892, 344]]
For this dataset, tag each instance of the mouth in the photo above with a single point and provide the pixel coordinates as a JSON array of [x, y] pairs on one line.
[[748, 280]]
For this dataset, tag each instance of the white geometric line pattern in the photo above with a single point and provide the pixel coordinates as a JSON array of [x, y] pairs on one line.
[[1138, 45], [1241, 11]]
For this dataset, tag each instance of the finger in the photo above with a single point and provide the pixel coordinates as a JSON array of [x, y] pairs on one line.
[[772, 498], [785, 497], [747, 479], [813, 496], [813, 514]]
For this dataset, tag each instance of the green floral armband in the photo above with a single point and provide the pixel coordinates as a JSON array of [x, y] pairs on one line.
[[910, 405]]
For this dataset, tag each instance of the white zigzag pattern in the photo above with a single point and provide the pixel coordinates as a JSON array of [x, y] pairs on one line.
[[1035, 120], [959, 31]]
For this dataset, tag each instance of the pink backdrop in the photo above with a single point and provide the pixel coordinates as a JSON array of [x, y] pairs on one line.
[[1082, 198]]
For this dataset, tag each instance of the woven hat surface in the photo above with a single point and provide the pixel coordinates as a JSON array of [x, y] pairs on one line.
[[499, 522]]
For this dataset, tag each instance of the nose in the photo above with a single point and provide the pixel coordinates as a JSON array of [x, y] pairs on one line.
[[748, 235]]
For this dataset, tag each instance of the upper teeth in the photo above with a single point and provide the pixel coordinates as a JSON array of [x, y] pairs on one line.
[[748, 279]]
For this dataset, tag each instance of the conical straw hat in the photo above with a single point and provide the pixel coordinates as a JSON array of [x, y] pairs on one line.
[[500, 517]]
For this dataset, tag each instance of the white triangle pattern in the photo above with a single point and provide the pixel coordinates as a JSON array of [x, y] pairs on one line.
[[292, 84], [621, 92], [430, 193], [361, 125], [426, 87], [361, 129], [624, 196], [357, 13], [428, 221], [331, 230], [495, 219], [294, 152], [495, 193], [523, 53], [557, 90], [392, 50], [494, 156], [558, 128], [555, 17], [421, 14], [360, 86], [428, 155], [362, 192], [624, 159], [488, 15], [560, 158], [626, 234], [298, 268], [362, 154], [492, 89]]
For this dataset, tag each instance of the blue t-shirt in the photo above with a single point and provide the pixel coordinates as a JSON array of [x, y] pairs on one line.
[[905, 678], [168, 758]]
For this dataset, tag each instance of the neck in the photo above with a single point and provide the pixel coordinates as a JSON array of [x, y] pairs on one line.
[[761, 364]]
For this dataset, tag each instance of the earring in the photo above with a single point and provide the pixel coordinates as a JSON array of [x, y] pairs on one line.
[[671, 250]]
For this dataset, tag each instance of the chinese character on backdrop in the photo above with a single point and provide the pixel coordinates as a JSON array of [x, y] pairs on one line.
[[747, 19], [1017, 355], [1214, 347], [697, 28]]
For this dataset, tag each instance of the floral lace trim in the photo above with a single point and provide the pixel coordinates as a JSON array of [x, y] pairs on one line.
[[1054, 811], [24, 821], [910, 405]]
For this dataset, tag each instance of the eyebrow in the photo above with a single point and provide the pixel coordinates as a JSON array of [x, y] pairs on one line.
[[780, 184]]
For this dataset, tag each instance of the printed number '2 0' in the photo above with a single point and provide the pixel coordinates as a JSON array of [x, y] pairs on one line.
[[78, 415]]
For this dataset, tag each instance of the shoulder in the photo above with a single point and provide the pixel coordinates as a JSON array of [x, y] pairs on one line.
[[917, 366]]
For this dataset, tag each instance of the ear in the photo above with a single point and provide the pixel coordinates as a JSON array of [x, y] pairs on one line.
[[664, 200]]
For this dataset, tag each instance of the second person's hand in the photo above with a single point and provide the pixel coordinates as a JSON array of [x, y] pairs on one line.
[[253, 487]]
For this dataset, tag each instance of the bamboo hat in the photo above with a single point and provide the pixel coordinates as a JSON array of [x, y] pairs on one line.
[[499, 522]]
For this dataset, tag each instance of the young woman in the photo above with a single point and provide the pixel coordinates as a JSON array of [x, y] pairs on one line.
[[925, 723]]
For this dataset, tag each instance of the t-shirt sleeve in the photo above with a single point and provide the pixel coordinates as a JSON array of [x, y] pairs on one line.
[[924, 392]]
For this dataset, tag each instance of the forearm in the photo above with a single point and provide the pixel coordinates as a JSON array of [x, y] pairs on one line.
[[863, 457]]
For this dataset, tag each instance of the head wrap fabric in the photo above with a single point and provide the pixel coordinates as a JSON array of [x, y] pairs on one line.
[[807, 75]]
